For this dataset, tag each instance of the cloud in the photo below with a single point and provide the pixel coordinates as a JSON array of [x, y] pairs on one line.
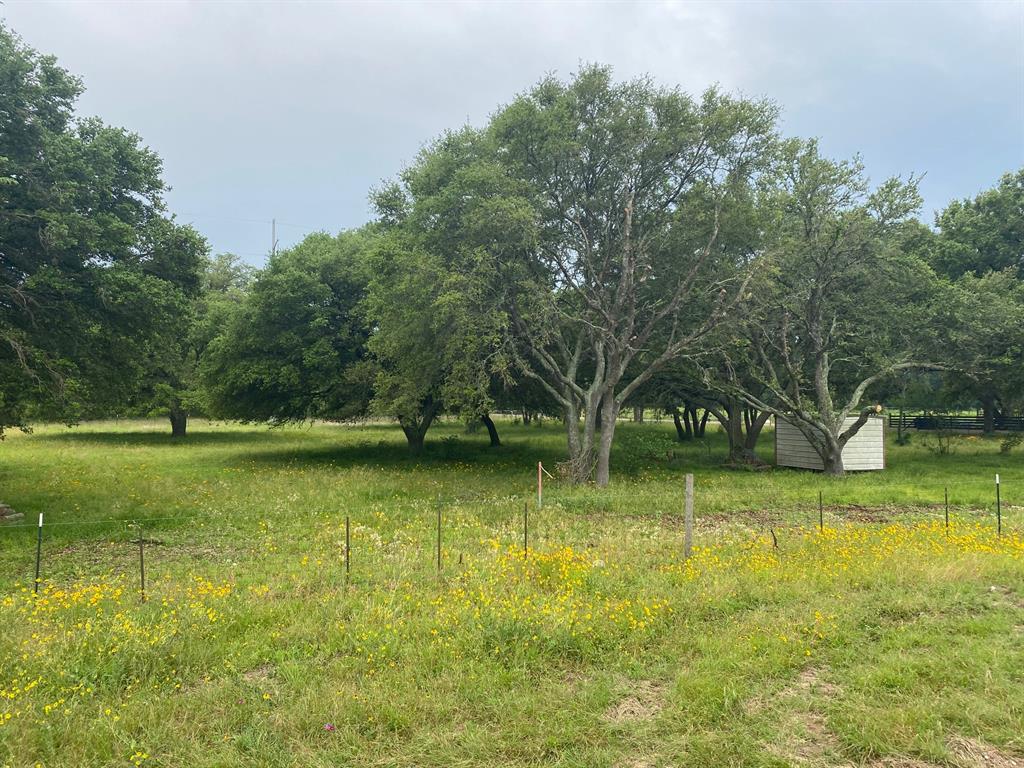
[[295, 110]]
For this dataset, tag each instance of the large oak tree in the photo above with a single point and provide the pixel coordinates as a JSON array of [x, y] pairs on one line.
[[980, 245], [295, 346], [93, 275], [591, 210], [840, 303]]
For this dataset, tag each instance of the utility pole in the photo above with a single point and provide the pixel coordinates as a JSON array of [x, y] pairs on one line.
[[273, 237]]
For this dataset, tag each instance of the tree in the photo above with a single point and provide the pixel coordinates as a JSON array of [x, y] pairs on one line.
[[295, 348], [437, 327], [840, 305], [986, 316], [584, 222], [525, 398], [406, 344], [629, 183], [979, 246], [173, 387], [687, 384], [984, 234], [690, 381], [587, 214], [741, 423], [89, 279]]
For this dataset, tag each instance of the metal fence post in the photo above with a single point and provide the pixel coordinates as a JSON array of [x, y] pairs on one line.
[[39, 551], [688, 518]]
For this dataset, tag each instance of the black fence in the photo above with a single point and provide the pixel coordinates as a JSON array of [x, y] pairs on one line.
[[954, 423]]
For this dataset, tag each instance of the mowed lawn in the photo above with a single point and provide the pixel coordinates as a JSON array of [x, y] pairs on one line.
[[882, 640]]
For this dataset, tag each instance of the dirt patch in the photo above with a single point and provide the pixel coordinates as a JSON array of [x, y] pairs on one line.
[[574, 679], [643, 702], [809, 681], [808, 742], [751, 517], [862, 514], [809, 739], [804, 737], [1004, 596], [971, 753], [636, 762], [260, 674], [781, 517], [8, 515]]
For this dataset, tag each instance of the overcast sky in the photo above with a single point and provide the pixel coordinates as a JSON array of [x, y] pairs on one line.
[[294, 111]]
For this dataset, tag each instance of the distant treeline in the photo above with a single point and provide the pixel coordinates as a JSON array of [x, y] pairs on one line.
[[598, 245]]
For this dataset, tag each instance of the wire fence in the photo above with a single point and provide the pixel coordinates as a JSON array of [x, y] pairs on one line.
[[434, 539]]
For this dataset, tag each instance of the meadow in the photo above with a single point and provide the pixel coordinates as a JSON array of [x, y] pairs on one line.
[[883, 639]]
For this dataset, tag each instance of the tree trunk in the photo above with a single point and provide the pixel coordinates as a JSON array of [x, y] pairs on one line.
[[492, 431], [526, 417], [686, 422], [609, 414], [416, 429], [831, 450], [179, 422], [742, 428], [415, 438], [834, 461], [638, 414], [581, 444], [572, 430], [703, 421], [754, 432], [681, 434], [734, 431], [988, 410]]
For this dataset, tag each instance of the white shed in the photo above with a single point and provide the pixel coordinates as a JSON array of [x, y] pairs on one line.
[[864, 451]]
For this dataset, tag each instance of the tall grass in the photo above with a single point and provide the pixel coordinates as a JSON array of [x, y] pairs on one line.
[[880, 639]]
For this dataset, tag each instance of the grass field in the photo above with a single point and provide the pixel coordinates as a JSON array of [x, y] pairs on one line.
[[880, 641]]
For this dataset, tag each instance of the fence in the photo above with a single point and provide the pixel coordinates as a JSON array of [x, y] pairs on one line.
[[951, 423], [435, 538]]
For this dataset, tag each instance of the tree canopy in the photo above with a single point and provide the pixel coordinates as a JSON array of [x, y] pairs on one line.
[[293, 349], [597, 244], [92, 272], [838, 304], [984, 234], [980, 246], [586, 215]]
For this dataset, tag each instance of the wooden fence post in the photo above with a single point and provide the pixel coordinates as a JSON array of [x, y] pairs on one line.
[[540, 485]]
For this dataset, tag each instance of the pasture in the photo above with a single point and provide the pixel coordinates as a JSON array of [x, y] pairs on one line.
[[882, 640]]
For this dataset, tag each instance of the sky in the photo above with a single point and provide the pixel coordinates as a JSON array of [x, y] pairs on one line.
[[295, 111]]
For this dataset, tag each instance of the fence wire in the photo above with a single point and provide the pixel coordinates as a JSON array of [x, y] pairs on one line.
[[436, 536]]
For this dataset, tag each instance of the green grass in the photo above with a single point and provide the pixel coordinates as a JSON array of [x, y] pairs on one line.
[[878, 641]]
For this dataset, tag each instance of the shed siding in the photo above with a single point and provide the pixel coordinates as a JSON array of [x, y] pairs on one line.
[[865, 451]]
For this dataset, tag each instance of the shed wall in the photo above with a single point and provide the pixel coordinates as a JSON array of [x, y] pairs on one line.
[[865, 450]]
